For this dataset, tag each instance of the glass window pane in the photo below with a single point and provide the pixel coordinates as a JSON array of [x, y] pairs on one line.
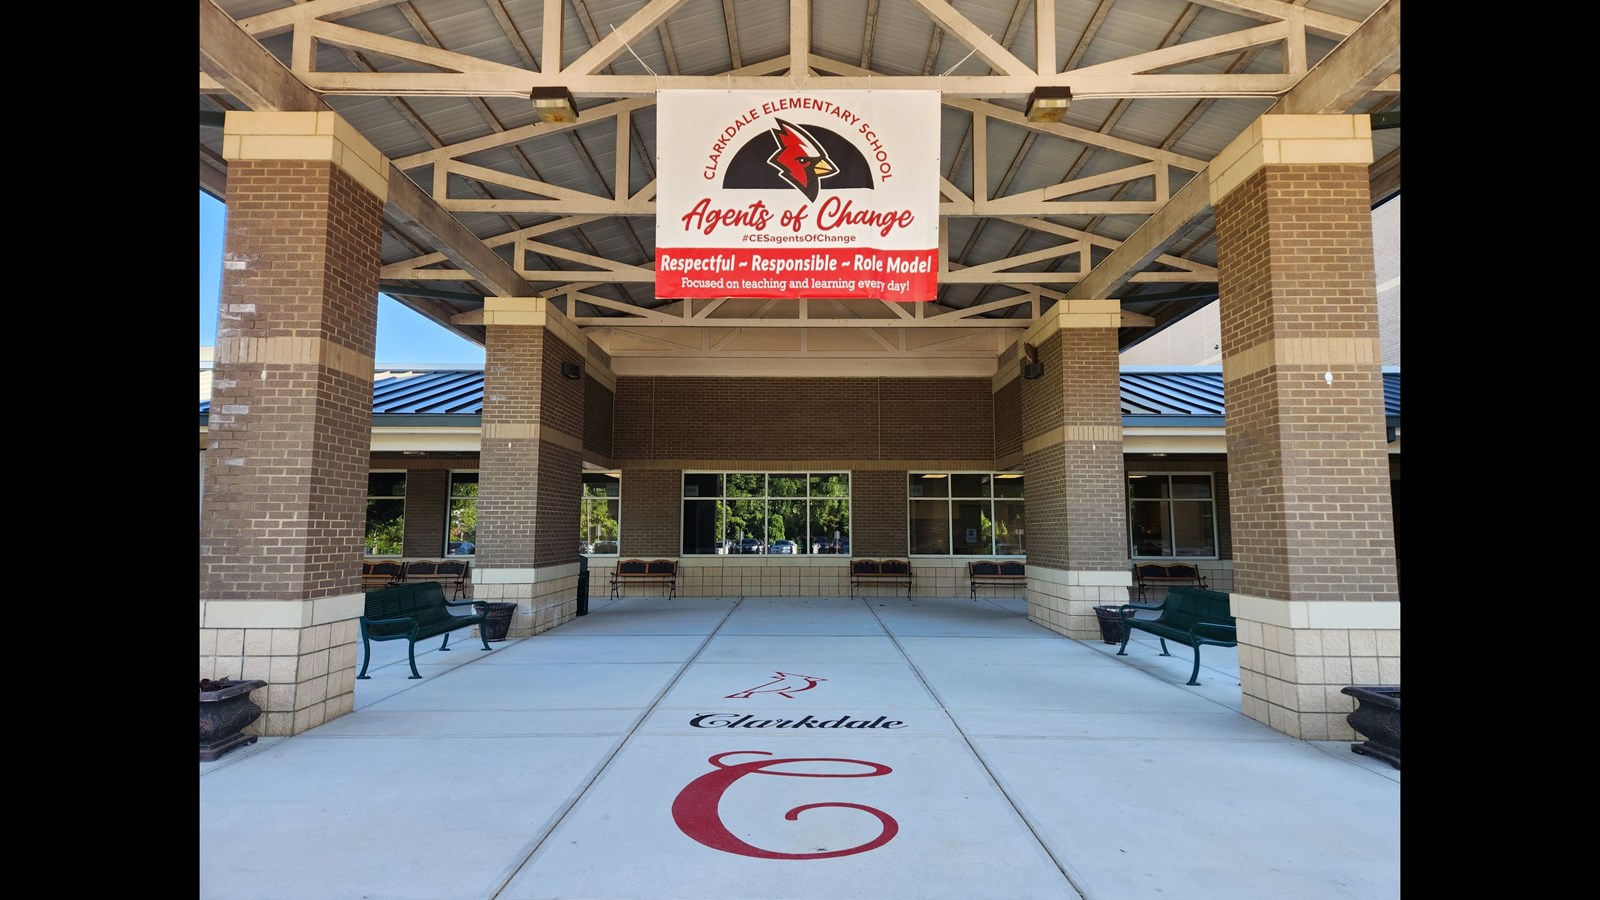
[[598, 521], [1008, 484], [602, 484], [830, 526], [463, 529], [971, 484], [973, 533], [1193, 529], [1008, 528], [930, 526], [831, 485], [747, 523], [1147, 486], [786, 521], [702, 521], [463, 484], [702, 484], [1193, 487], [386, 484], [928, 484], [747, 484], [786, 485], [1147, 519], [385, 527]]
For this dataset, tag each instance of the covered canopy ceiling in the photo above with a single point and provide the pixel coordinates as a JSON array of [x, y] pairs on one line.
[[1109, 202]]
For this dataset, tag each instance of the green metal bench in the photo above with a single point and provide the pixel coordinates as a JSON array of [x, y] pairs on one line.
[[411, 613], [1191, 616]]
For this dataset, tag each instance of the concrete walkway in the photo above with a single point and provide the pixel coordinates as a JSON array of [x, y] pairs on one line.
[[798, 748]]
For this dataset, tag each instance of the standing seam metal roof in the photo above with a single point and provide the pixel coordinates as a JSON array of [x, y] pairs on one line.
[[1188, 394]]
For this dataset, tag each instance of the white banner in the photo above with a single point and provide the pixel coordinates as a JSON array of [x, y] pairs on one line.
[[822, 194]]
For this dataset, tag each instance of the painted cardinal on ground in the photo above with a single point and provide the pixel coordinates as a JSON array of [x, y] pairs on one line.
[[799, 159], [786, 683]]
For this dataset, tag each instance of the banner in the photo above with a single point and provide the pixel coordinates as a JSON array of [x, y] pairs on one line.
[[797, 194]]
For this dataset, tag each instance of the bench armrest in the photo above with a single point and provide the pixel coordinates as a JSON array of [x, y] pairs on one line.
[[462, 602], [1132, 608], [408, 620]]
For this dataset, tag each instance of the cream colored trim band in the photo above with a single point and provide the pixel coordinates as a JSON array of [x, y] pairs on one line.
[[280, 613], [1306, 614], [1290, 140], [317, 136]]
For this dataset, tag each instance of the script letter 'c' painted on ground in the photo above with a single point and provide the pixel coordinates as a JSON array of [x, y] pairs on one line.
[[695, 809]]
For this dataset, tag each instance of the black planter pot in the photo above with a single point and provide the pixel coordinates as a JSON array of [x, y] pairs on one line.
[[1377, 716], [225, 710]]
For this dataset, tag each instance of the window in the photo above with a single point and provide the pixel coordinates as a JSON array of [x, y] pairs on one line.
[[761, 512], [461, 530], [966, 513], [602, 506], [1171, 515], [386, 513]]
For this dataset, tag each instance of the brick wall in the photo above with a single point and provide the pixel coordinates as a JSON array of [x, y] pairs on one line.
[[1308, 462], [878, 514], [1096, 487], [828, 420], [652, 501], [508, 500], [291, 414], [427, 505]]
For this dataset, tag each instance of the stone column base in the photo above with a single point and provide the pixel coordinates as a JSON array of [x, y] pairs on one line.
[[1063, 600], [545, 597], [1296, 658], [305, 650]]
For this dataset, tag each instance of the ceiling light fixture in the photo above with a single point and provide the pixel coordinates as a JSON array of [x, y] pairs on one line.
[[554, 105], [1049, 104]]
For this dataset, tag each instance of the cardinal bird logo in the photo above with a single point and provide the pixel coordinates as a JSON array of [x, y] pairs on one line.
[[799, 159], [786, 684]]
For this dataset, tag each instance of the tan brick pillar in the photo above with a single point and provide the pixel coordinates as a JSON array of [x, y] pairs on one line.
[[530, 477], [284, 509], [1314, 565], [1072, 447]]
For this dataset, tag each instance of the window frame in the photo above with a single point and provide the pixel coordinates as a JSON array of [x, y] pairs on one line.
[[803, 544], [950, 477], [583, 507], [405, 477], [1215, 541], [449, 512]]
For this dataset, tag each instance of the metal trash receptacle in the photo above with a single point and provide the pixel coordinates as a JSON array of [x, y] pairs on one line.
[[1110, 624], [583, 585], [498, 624]]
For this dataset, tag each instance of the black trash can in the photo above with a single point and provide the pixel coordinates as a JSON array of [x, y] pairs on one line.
[[583, 585], [1110, 624], [499, 622]]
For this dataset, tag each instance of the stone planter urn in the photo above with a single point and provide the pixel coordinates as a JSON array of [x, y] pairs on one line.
[[225, 710], [1377, 716]]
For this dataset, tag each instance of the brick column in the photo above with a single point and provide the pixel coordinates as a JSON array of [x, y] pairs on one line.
[[1314, 565], [286, 460], [531, 463], [1072, 447]]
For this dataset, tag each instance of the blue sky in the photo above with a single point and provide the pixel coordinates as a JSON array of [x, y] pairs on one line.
[[404, 337]]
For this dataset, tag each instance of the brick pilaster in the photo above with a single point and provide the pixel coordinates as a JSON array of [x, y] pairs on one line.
[[531, 466], [1314, 566], [282, 524], [1072, 444]]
